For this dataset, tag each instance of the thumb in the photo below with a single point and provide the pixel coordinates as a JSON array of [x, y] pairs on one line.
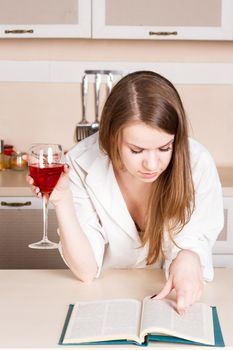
[[166, 290]]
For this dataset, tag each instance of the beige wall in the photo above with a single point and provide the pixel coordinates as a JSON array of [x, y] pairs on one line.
[[34, 112]]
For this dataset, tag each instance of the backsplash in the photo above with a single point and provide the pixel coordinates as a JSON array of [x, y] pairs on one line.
[[43, 111]]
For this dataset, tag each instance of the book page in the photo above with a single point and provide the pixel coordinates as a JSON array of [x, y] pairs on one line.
[[159, 316], [104, 320]]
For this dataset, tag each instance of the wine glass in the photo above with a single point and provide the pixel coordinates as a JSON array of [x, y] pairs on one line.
[[46, 163]]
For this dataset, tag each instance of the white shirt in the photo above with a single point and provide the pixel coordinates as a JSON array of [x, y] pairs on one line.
[[106, 221]]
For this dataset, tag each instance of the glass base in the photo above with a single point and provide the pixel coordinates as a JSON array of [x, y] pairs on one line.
[[44, 245]]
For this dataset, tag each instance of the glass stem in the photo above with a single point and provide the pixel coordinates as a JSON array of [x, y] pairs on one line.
[[45, 199]]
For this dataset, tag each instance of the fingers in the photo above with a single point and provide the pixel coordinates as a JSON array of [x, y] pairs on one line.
[[187, 276], [165, 291], [181, 305], [29, 180], [183, 302], [35, 189], [187, 296], [66, 168]]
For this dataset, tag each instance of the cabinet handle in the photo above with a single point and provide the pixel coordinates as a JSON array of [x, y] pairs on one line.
[[163, 33], [16, 204], [19, 31]]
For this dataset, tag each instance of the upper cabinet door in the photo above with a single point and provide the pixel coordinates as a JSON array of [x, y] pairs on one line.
[[163, 19], [45, 18]]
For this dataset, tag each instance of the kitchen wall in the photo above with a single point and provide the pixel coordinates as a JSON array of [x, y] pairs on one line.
[[48, 111]]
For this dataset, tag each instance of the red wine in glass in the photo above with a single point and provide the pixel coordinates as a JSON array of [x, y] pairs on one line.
[[46, 163], [46, 178]]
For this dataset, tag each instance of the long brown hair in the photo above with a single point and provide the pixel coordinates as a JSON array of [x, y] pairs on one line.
[[148, 97]]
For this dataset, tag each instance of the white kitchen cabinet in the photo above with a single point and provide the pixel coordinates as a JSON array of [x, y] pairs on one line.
[[21, 224], [45, 19], [223, 248], [163, 19], [117, 19]]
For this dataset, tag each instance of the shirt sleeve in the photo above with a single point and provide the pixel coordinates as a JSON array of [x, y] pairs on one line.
[[87, 215], [201, 232]]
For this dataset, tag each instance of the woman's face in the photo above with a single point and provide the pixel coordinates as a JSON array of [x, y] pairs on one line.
[[145, 151]]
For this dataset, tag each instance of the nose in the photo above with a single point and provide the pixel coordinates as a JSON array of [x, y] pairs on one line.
[[151, 161]]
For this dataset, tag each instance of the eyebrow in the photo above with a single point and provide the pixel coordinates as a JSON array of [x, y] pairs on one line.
[[132, 145]]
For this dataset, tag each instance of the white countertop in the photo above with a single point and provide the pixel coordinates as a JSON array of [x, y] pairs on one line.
[[13, 183], [34, 303]]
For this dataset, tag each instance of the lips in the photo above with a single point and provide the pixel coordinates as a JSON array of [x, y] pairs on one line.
[[149, 175]]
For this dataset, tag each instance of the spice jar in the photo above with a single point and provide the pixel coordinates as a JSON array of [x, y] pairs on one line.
[[17, 161], [2, 157], [8, 151]]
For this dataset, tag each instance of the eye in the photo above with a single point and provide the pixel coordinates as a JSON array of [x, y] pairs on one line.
[[135, 152], [165, 149]]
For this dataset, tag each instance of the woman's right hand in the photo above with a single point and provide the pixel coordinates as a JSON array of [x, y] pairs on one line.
[[35, 190], [59, 190]]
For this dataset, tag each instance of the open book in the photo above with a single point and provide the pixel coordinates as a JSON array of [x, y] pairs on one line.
[[132, 321]]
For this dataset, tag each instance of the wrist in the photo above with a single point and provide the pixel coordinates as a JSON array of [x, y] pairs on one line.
[[186, 259], [64, 197]]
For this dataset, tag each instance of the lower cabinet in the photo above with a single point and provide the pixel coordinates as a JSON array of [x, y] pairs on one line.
[[21, 223], [223, 248]]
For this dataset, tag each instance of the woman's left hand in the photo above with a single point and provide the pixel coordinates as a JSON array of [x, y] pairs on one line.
[[186, 278]]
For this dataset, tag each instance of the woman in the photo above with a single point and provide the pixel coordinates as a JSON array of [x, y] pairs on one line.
[[141, 193]]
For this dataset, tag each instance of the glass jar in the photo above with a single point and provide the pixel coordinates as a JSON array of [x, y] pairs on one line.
[[2, 157], [8, 151], [17, 161]]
